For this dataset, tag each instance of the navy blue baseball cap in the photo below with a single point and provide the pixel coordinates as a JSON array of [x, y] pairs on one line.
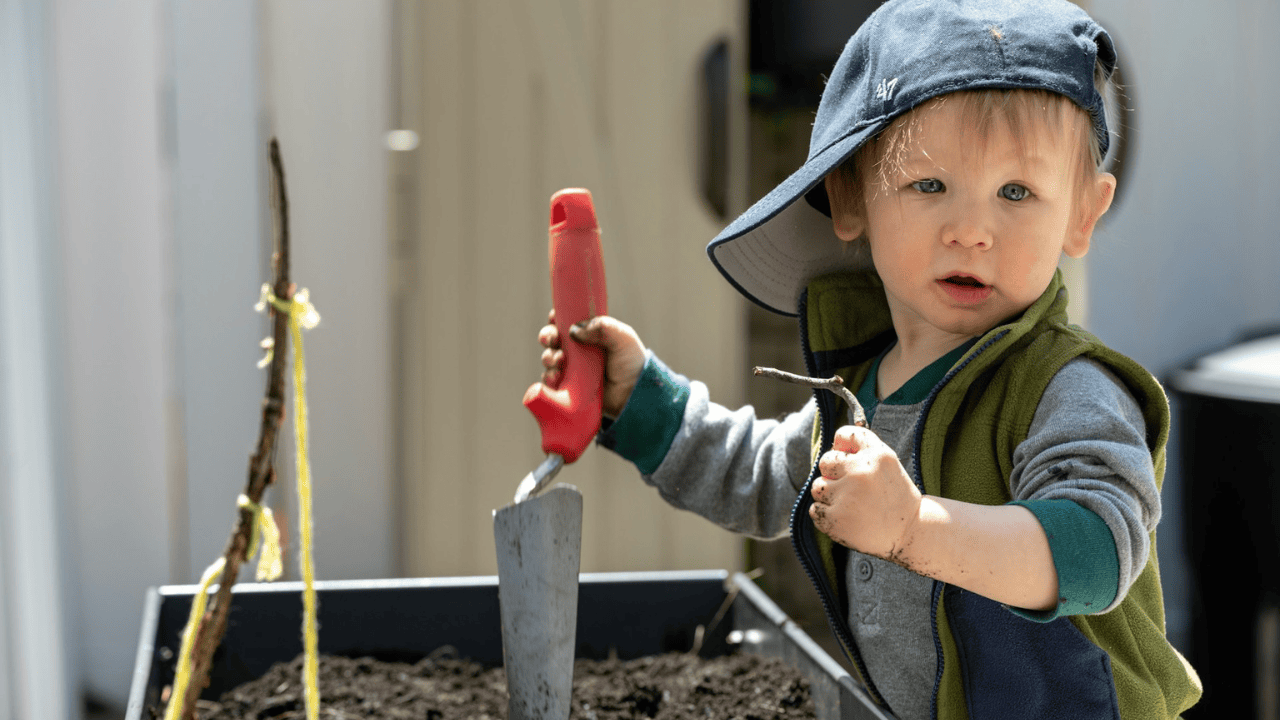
[[907, 52]]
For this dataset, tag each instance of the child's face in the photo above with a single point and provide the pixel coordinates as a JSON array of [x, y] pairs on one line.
[[966, 234]]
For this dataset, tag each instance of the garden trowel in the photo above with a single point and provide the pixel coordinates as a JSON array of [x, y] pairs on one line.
[[539, 535]]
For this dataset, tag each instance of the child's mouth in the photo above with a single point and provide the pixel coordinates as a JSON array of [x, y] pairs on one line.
[[965, 289]]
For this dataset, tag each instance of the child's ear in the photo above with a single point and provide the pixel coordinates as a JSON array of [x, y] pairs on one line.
[[846, 215], [1095, 203]]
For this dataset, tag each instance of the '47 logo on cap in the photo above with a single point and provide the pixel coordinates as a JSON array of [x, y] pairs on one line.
[[884, 91]]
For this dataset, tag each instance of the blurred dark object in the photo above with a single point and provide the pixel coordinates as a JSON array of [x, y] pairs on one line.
[[714, 168], [794, 44], [1229, 423]]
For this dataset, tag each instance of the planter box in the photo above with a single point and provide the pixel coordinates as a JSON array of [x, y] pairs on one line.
[[632, 614]]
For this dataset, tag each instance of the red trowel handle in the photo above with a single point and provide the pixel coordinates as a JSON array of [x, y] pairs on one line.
[[569, 414]]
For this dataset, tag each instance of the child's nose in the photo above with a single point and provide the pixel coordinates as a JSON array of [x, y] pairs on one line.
[[969, 230]]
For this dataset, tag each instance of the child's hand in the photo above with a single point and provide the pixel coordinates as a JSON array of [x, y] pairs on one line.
[[624, 356], [864, 498]]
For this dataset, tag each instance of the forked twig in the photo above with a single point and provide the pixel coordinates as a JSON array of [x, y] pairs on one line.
[[834, 384]]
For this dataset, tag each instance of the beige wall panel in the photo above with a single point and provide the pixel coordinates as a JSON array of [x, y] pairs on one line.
[[633, 518], [708, 332], [521, 98], [622, 520], [631, 96], [438, 375], [507, 284]]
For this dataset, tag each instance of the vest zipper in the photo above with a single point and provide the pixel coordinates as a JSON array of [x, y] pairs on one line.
[[938, 585], [808, 556]]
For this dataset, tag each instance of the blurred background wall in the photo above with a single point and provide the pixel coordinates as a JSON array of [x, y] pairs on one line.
[[135, 232]]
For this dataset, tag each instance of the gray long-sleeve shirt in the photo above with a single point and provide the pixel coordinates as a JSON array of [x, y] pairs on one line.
[[1087, 444]]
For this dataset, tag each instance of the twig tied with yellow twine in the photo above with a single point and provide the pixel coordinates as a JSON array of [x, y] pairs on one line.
[[211, 625], [301, 314]]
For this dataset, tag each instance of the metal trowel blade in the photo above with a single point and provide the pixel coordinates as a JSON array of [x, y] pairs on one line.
[[539, 544]]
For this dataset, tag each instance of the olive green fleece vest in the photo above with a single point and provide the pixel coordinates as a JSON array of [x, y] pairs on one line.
[[966, 453]]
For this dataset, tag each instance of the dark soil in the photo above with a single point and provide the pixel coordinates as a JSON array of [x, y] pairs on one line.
[[675, 686]]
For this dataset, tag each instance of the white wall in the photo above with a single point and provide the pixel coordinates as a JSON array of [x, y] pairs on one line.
[[220, 238], [326, 68], [38, 669], [118, 292], [1189, 257]]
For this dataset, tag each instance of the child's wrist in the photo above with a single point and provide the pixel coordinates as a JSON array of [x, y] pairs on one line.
[[906, 551], [650, 418]]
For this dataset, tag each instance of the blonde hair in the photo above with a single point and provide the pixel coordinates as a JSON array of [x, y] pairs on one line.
[[981, 111]]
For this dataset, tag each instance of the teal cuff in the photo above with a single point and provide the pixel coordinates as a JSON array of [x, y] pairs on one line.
[[1084, 554], [647, 425]]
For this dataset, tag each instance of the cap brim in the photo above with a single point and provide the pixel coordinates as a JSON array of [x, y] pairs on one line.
[[772, 251]]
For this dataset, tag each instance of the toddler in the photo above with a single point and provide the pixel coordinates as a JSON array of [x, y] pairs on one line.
[[985, 548]]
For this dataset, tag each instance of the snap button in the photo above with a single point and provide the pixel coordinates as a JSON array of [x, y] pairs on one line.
[[864, 570]]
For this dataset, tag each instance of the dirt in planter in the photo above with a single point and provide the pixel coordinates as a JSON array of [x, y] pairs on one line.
[[675, 686]]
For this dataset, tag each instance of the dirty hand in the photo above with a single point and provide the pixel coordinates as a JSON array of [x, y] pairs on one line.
[[864, 498], [624, 356]]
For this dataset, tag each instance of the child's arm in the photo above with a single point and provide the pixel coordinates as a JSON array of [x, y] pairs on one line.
[[1087, 472], [866, 500], [1084, 474], [732, 468]]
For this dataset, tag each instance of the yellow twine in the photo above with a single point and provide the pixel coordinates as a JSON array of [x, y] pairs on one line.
[[183, 676], [302, 314], [270, 562], [269, 568]]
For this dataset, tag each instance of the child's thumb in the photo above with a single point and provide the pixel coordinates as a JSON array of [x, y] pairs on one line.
[[594, 331]]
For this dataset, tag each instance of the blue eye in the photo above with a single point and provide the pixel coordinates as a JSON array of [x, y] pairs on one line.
[[1014, 192], [928, 185]]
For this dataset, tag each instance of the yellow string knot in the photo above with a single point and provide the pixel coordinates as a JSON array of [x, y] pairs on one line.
[[302, 314], [270, 561]]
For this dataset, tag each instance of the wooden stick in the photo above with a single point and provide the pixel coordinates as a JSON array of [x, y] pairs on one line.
[[261, 464], [834, 384]]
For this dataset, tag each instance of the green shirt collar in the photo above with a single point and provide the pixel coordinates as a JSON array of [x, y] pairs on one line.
[[915, 390]]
